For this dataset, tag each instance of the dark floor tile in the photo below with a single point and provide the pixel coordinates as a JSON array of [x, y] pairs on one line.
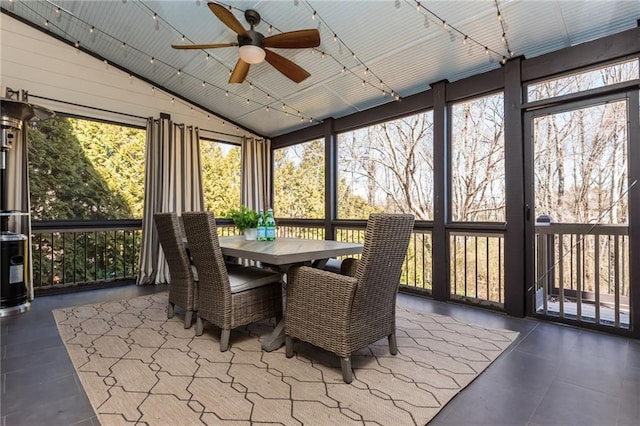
[[21, 349], [629, 412], [522, 370], [19, 334], [601, 348], [569, 404], [37, 356], [54, 411], [92, 421], [594, 373], [551, 341], [485, 403], [24, 400], [34, 375]]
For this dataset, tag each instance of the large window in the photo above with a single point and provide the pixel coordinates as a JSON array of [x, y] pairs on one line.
[[82, 169], [477, 160], [220, 176], [299, 181], [387, 167]]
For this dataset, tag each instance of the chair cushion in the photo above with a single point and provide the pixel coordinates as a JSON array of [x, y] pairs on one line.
[[333, 265], [247, 277]]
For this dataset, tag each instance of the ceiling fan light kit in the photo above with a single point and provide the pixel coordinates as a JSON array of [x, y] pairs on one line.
[[252, 45], [252, 54]]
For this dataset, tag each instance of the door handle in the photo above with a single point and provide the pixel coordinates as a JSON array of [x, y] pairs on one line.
[[527, 212]]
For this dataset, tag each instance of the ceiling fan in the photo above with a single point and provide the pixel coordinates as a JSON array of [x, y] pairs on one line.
[[253, 45]]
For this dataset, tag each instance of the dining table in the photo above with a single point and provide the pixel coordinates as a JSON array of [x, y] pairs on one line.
[[281, 254]]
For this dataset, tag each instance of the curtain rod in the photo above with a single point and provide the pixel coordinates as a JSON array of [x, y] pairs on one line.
[[87, 106], [121, 113], [220, 133]]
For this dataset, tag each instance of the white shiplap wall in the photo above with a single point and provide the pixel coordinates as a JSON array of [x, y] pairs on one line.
[[33, 61]]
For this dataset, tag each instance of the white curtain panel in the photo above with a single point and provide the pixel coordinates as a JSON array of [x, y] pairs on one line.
[[256, 173], [17, 169], [173, 183]]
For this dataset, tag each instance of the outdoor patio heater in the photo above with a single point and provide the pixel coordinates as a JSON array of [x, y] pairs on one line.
[[15, 281]]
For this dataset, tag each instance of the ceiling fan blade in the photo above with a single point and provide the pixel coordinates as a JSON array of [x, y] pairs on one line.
[[227, 18], [202, 46], [293, 40], [239, 72], [286, 67]]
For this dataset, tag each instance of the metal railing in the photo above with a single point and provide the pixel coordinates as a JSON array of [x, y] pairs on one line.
[[72, 253], [582, 273], [477, 267], [69, 253]]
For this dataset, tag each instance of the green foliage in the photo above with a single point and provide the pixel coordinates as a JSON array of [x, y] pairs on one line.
[[75, 175], [244, 218], [220, 176]]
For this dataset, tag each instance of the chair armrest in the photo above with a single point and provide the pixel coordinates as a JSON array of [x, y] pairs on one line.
[[318, 302], [349, 266]]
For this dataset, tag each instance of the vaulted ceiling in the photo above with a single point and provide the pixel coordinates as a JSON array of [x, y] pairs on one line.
[[371, 52]]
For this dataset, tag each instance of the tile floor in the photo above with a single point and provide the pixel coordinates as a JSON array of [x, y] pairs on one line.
[[551, 375]]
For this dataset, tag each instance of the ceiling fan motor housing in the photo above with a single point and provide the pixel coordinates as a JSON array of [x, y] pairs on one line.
[[254, 38]]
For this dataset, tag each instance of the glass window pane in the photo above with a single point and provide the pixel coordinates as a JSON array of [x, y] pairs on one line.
[[387, 167], [83, 169], [580, 160], [477, 160], [592, 79], [299, 180], [220, 176]]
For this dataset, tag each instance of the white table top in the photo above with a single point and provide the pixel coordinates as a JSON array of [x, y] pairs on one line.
[[286, 251]]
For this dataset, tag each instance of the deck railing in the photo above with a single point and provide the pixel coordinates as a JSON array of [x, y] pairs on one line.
[[78, 252], [582, 273], [72, 253]]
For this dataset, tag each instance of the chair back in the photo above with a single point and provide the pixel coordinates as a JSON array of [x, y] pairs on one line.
[[380, 266], [170, 235], [204, 246]]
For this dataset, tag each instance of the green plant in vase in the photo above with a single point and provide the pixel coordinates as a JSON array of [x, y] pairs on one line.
[[244, 219]]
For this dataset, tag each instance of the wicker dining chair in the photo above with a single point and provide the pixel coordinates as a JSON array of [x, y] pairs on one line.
[[341, 313], [228, 297], [182, 285]]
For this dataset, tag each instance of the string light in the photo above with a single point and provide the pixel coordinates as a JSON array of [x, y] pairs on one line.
[[152, 60]]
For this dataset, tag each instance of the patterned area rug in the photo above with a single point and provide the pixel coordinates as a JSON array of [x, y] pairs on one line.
[[137, 367]]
